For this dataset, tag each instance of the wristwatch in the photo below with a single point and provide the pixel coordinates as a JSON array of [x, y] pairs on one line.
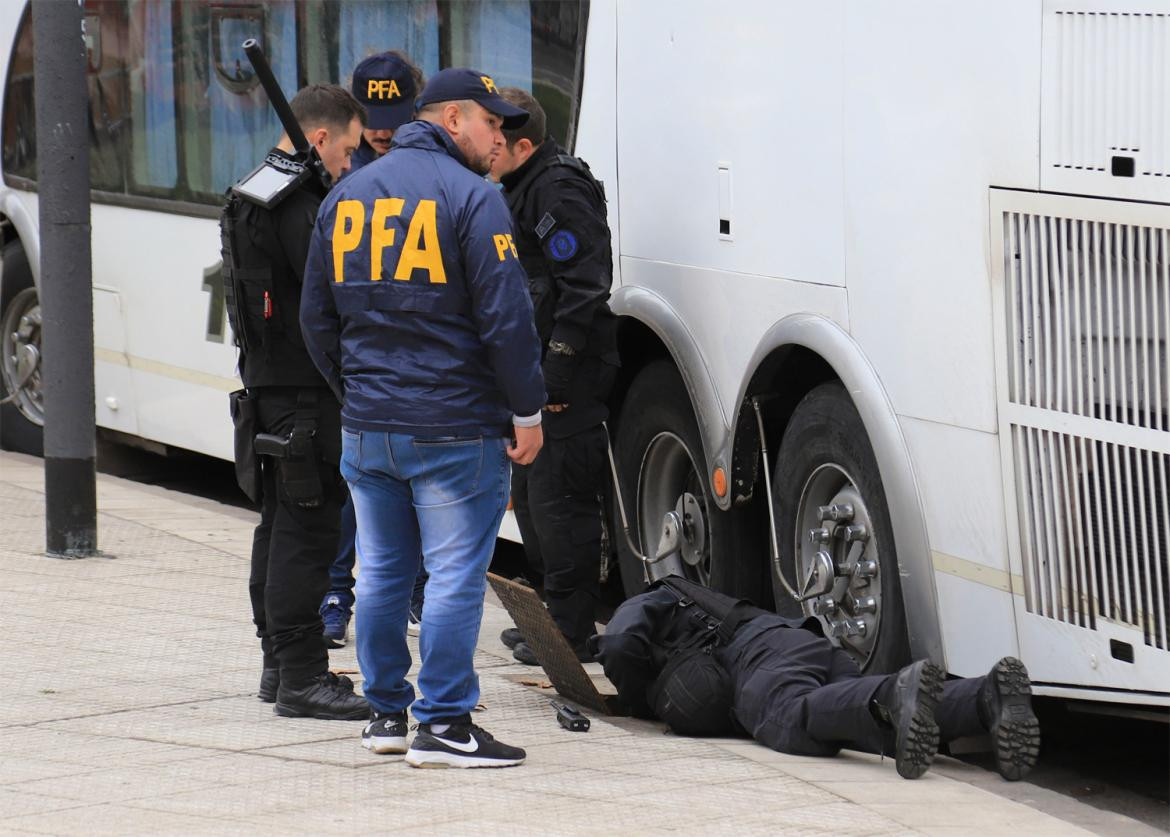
[[557, 347]]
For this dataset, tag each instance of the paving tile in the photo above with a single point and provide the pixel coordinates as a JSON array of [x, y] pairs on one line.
[[157, 729], [117, 819]]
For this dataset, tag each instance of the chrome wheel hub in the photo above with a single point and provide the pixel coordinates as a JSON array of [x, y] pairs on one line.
[[669, 481], [20, 355], [834, 528]]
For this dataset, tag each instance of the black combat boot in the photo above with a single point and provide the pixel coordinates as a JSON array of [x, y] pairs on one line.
[[1005, 707], [269, 683], [906, 701], [326, 697]]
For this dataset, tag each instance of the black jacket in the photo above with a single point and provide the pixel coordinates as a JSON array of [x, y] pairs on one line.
[[563, 239], [270, 247]]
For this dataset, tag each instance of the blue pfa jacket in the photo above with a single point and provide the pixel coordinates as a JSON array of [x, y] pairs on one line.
[[415, 307]]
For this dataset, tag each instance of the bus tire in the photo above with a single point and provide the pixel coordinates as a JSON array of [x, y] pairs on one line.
[[661, 466], [826, 459], [21, 419]]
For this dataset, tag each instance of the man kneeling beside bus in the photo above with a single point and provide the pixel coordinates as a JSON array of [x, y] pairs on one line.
[[707, 664]]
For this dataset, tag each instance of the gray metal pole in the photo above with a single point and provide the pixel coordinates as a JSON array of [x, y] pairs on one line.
[[66, 291]]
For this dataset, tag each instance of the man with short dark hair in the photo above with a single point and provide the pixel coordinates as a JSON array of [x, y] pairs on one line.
[[558, 208], [415, 304], [265, 242]]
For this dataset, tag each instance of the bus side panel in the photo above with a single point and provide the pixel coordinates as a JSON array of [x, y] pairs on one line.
[[756, 92], [962, 500], [165, 268], [941, 101]]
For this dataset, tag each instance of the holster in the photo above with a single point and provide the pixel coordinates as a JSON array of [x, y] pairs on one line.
[[296, 454], [243, 410]]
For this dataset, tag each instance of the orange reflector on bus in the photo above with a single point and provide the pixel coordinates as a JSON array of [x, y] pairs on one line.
[[719, 482]]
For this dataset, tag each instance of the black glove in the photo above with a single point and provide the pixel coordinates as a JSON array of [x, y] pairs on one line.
[[558, 369]]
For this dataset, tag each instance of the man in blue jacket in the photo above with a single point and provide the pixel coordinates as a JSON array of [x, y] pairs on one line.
[[416, 308], [386, 85]]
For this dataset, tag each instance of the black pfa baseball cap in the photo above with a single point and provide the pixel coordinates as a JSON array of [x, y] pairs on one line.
[[385, 85], [456, 83]]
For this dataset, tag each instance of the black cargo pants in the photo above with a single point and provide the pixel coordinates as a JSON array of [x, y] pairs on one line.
[[558, 506], [797, 693], [293, 546]]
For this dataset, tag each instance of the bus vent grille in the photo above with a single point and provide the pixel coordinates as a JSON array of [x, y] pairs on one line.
[[1093, 521], [1087, 308], [1111, 80], [1088, 312]]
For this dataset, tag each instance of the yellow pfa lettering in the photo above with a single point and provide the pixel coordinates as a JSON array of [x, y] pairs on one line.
[[421, 251], [382, 236], [347, 234], [504, 244], [382, 89], [488, 84]]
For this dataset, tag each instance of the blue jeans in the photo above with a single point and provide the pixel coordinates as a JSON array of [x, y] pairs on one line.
[[444, 498], [341, 570]]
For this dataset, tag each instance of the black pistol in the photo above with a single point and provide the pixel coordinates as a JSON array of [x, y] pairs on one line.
[[570, 718], [280, 104]]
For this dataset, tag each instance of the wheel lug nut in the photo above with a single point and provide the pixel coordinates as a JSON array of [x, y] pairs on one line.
[[824, 606], [843, 628], [861, 604], [865, 569], [816, 537], [856, 532], [838, 512]]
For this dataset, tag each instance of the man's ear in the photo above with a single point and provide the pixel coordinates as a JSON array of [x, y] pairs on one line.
[[452, 117], [317, 136]]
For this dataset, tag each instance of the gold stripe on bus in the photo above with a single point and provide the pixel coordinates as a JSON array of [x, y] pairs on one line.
[[166, 370], [978, 573]]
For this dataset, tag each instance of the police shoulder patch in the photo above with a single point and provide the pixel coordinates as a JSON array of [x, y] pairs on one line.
[[546, 224], [562, 246]]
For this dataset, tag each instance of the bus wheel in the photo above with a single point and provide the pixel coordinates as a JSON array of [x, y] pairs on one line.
[[22, 415], [829, 498], [662, 468]]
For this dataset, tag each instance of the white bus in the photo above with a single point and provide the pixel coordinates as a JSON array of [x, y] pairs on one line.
[[929, 240]]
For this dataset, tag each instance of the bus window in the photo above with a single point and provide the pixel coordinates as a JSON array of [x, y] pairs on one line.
[[365, 29], [19, 131], [154, 166], [226, 122], [106, 42]]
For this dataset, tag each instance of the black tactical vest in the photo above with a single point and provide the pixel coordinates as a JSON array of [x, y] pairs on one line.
[[262, 290]]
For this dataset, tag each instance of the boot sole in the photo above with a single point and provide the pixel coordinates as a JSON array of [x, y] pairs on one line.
[[1016, 732], [286, 711], [918, 741], [433, 760]]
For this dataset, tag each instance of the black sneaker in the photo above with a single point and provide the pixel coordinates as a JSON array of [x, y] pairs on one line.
[[385, 734], [511, 637], [1005, 702], [908, 701], [269, 683], [326, 697], [460, 745]]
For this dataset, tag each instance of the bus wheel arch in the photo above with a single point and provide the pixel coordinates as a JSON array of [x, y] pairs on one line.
[[22, 414], [803, 354]]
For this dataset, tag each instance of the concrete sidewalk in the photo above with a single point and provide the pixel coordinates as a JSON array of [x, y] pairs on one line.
[[128, 706]]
